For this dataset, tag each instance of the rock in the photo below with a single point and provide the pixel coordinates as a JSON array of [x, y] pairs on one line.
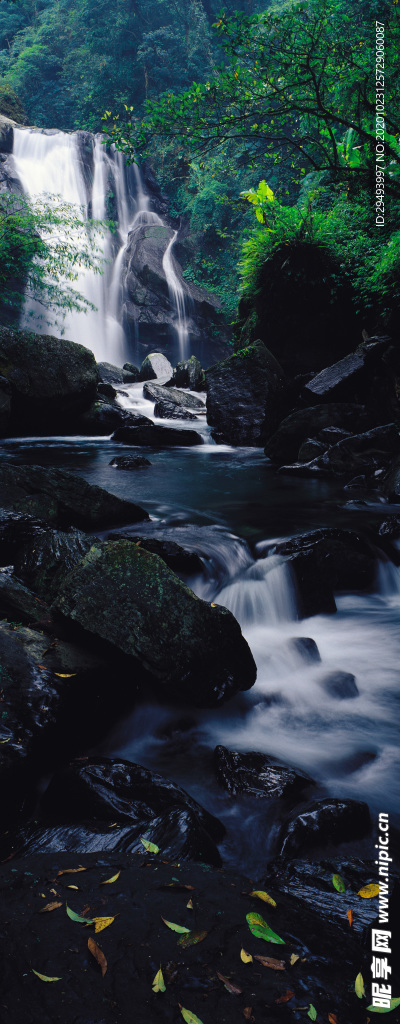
[[160, 624], [157, 437], [322, 823], [15, 529], [325, 561], [257, 775], [51, 381], [104, 417], [341, 685], [155, 365], [362, 452], [63, 499], [309, 884], [157, 392], [130, 462], [284, 445], [310, 449], [306, 648], [45, 561], [114, 790], [331, 435], [110, 374], [245, 397], [365, 376], [132, 370], [179, 560], [18, 603], [189, 374], [170, 411], [391, 481], [106, 390], [390, 527], [5, 405], [6, 134]]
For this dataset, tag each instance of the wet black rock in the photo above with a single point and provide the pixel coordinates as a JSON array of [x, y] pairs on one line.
[[63, 499], [362, 453], [390, 527], [341, 685], [331, 435], [15, 529], [105, 416], [106, 390], [245, 397], [154, 436], [195, 652], [256, 775], [189, 374], [130, 462], [306, 648], [5, 405], [114, 375], [51, 381], [323, 823], [44, 561], [158, 392], [132, 369], [326, 561], [171, 411], [181, 561], [310, 449], [391, 482], [284, 445], [365, 375], [18, 604]]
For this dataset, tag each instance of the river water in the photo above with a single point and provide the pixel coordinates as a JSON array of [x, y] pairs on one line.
[[230, 506]]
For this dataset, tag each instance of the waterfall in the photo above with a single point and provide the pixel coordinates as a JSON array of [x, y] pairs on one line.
[[50, 169]]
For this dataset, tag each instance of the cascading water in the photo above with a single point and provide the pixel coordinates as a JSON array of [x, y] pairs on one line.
[[49, 167]]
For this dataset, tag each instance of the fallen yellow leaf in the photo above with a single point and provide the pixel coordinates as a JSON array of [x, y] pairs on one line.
[[246, 957], [50, 906], [369, 891], [98, 955], [263, 896], [100, 923], [113, 879]]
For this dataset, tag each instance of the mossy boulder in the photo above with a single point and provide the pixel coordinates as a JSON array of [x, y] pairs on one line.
[[245, 397], [10, 104], [51, 381], [194, 651]]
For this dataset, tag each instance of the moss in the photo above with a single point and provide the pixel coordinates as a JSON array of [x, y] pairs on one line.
[[10, 104]]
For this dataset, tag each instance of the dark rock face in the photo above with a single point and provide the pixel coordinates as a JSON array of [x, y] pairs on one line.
[[365, 375], [132, 370], [16, 528], [178, 559], [18, 603], [161, 625], [155, 366], [46, 560], [245, 397], [257, 775], [5, 405], [306, 647], [157, 437], [110, 374], [157, 392], [311, 422], [51, 381], [362, 452], [325, 561], [324, 822], [171, 411], [62, 499], [6, 134], [189, 374], [390, 527], [341, 685], [391, 482], [130, 462], [103, 417], [310, 449]]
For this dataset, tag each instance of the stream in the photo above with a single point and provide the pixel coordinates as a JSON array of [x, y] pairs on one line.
[[229, 506]]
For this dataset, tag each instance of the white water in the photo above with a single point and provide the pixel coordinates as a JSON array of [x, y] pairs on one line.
[[49, 169]]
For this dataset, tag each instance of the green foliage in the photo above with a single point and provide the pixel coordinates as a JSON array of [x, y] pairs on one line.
[[10, 104], [43, 248]]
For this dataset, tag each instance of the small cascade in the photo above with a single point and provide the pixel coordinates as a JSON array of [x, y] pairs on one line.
[[178, 297], [50, 169], [262, 595]]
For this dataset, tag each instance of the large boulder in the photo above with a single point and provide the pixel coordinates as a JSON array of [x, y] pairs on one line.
[[171, 411], [180, 560], [115, 375], [63, 499], [322, 823], [257, 775], [364, 376], [284, 445], [51, 381], [189, 374], [44, 561], [157, 392], [326, 561], [6, 134], [195, 652], [105, 416], [245, 397], [5, 405], [154, 436], [155, 366]]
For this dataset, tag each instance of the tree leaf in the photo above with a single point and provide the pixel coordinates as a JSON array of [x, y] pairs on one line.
[[65, 675], [312, 1013], [332, 1018], [158, 983], [77, 917], [286, 997], [246, 957], [98, 955], [234, 989], [268, 961], [189, 905], [189, 1017], [263, 896], [261, 929], [100, 923], [191, 939], [50, 906], [385, 1009], [114, 878], [44, 977], [70, 871], [293, 959], [150, 847], [350, 915], [247, 1012], [338, 883], [369, 891], [175, 927], [359, 986]]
